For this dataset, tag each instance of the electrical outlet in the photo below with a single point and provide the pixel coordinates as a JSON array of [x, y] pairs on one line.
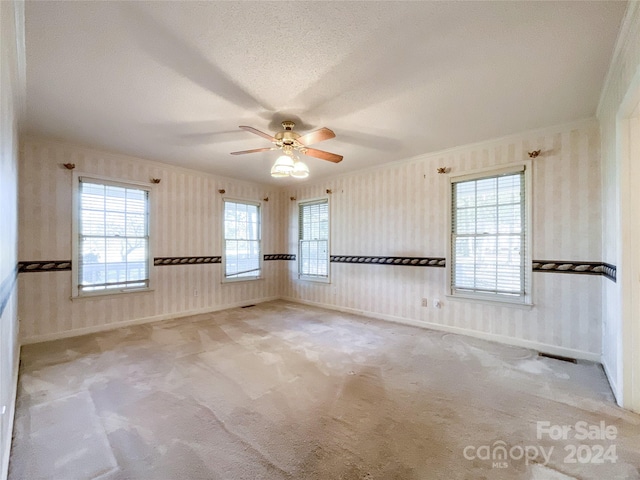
[[424, 302], [195, 292], [437, 304]]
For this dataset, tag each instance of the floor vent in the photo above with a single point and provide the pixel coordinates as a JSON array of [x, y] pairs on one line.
[[248, 306], [557, 357]]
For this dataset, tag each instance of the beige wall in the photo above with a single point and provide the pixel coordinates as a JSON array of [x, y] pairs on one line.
[[186, 221], [401, 210], [624, 68], [11, 105]]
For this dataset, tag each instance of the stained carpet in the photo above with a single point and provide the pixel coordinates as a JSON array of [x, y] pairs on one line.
[[285, 391]]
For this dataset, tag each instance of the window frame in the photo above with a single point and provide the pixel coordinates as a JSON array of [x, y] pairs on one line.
[[314, 278], [526, 299], [260, 275], [76, 292]]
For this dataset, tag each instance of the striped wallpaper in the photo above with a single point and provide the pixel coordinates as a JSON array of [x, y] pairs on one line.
[[186, 222], [401, 210], [11, 104], [624, 66]]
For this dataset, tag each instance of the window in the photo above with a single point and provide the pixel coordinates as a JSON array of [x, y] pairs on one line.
[[241, 240], [489, 247], [313, 248], [112, 237]]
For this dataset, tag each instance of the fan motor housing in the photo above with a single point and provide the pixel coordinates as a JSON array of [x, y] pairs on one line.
[[288, 136]]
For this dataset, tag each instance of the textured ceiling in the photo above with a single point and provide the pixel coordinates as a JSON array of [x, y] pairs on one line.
[[171, 81]]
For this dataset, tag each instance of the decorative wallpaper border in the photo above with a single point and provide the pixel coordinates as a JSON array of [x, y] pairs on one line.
[[610, 271], [279, 256], [62, 265], [408, 261], [554, 266], [44, 266], [6, 289], [160, 261], [585, 268]]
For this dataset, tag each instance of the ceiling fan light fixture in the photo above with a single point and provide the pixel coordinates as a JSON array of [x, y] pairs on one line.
[[284, 163], [300, 170], [291, 143], [277, 173]]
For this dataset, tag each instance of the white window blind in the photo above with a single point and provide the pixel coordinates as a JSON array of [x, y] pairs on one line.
[[113, 237], [488, 236], [313, 219], [241, 240]]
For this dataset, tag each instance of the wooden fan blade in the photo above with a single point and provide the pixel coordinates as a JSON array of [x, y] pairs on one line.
[[316, 136], [258, 132], [332, 157], [242, 152]]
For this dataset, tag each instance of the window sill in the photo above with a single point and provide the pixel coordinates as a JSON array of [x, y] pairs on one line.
[[314, 279], [241, 279], [85, 296], [490, 301]]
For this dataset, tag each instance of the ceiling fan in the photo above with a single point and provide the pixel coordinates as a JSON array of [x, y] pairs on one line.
[[289, 142]]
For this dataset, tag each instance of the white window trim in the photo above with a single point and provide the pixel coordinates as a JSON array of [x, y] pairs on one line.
[[312, 278], [224, 245], [525, 301], [75, 208]]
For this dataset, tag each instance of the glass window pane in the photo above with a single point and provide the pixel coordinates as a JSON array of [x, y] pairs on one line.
[[314, 235], [487, 231], [92, 222], [115, 199], [112, 236], [465, 221], [486, 191], [115, 224], [135, 225], [242, 235], [486, 220], [465, 194]]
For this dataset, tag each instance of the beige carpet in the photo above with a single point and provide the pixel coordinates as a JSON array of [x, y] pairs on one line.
[[284, 391]]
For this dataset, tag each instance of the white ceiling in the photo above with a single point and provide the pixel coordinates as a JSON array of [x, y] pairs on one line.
[[172, 81]]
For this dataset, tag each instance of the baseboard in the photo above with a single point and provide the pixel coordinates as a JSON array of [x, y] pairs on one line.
[[4, 473], [516, 342], [139, 321], [612, 382]]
